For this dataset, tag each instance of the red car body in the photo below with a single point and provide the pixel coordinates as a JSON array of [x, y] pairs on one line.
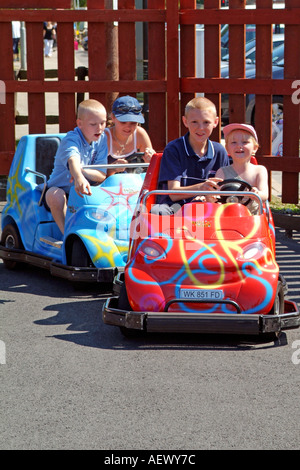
[[210, 268]]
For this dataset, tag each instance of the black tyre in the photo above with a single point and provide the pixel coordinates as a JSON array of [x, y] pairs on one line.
[[80, 258], [123, 304], [278, 305], [277, 309], [10, 238], [79, 255]]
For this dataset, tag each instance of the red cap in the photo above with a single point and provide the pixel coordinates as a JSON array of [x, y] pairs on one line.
[[244, 127]]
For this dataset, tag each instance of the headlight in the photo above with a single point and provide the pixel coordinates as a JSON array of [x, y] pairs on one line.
[[100, 215], [151, 250], [253, 251]]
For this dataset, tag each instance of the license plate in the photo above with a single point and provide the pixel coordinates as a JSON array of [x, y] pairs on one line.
[[201, 294]]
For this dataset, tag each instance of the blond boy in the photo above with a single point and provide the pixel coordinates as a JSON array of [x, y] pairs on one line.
[[85, 145], [190, 162]]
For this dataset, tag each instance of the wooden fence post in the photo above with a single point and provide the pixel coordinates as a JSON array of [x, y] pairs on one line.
[[7, 105], [291, 131], [263, 103], [173, 86], [212, 62], [237, 37], [35, 71], [65, 71], [156, 71], [187, 57], [97, 51]]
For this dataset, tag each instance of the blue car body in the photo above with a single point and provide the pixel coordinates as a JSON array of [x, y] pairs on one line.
[[95, 243]]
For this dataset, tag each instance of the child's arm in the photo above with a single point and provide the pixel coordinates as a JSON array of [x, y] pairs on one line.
[[81, 184], [219, 174], [208, 185], [144, 144], [94, 175], [261, 188]]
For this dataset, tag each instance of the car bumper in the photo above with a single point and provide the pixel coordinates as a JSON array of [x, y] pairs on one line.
[[182, 322], [71, 273]]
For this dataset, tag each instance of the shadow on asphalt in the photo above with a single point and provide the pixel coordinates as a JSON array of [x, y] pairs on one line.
[[85, 328], [83, 313]]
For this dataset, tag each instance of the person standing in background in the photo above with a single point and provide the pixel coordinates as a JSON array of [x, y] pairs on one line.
[[49, 37], [16, 34]]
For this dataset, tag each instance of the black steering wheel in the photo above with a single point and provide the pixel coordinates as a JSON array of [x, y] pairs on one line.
[[234, 185], [136, 157]]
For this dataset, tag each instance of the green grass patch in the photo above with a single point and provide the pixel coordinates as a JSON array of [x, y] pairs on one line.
[[277, 206]]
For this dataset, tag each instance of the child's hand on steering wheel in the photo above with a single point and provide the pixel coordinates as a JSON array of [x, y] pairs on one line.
[[148, 154]]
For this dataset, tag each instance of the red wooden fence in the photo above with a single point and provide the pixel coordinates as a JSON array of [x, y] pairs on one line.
[[167, 89]]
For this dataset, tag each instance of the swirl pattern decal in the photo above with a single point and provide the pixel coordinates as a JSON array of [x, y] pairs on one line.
[[233, 257]]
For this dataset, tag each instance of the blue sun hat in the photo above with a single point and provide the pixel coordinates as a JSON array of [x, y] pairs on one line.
[[128, 109]]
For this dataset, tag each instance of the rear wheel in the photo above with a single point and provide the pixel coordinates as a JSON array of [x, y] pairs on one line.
[[11, 239]]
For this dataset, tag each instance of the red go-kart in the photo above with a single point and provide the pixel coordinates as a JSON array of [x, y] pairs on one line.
[[209, 268]]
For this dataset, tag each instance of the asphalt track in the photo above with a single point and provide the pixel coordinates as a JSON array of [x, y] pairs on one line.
[[69, 381]]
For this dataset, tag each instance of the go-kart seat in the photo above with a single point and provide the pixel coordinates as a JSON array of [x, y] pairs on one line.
[[151, 178], [45, 151]]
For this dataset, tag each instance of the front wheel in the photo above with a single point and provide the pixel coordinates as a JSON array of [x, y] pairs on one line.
[[123, 304], [278, 305], [79, 255], [277, 309], [81, 259], [11, 239]]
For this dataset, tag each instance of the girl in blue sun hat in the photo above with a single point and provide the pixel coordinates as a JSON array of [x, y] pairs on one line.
[[126, 136]]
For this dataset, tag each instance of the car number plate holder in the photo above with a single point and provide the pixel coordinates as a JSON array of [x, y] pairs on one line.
[[211, 295]]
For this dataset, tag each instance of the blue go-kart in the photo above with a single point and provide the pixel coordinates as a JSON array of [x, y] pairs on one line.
[[95, 243]]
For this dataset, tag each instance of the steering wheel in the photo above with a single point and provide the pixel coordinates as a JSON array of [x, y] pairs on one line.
[[234, 185], [136, 157]]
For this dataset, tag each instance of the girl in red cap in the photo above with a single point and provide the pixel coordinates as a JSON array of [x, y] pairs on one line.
[[241, 144]]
